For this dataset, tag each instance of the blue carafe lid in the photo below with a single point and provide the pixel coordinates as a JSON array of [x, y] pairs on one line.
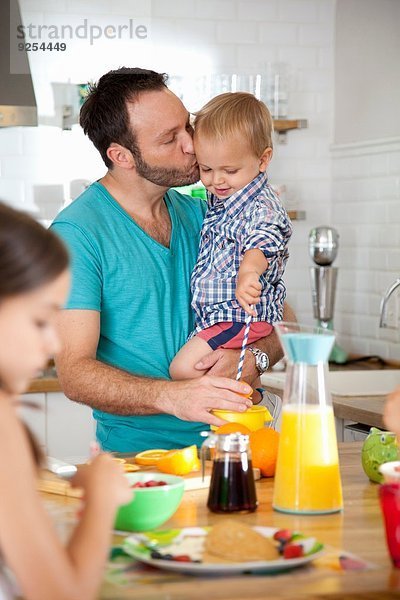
[[309, 348]]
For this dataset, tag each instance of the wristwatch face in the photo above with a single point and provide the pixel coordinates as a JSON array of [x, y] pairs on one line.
[[262, 362]]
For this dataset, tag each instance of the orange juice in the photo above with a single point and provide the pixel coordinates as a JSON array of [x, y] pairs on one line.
[[307, 476]]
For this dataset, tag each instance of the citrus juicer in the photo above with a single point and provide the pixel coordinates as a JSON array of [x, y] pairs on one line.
[[323, 248]]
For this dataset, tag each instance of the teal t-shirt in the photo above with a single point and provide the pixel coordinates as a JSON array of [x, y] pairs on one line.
[[142, 291]]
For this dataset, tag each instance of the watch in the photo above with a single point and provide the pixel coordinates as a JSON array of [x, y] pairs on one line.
[[262, 360]]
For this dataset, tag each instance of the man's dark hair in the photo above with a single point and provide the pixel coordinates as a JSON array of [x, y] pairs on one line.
[[104, 115]]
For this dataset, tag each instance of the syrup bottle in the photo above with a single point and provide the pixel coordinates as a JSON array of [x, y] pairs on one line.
[[232, 487]]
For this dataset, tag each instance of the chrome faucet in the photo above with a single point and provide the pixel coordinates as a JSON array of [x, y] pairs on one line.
[[384, 301]]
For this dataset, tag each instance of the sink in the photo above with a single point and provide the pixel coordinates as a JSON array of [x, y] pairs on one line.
[[348, 383]]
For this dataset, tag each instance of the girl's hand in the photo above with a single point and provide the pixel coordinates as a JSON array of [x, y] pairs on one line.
[[103, 477], [391, 412], [248, 291]]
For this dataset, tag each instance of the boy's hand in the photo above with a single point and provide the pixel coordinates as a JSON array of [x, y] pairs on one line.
[[248, 291]]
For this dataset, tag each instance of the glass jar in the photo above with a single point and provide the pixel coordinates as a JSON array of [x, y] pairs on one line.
[[232, 487]]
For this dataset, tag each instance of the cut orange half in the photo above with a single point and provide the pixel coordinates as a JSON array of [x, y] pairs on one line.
[[179, 462], [149, 457], [130, 468]]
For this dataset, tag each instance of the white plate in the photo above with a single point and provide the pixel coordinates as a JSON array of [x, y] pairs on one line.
[[134, 546]]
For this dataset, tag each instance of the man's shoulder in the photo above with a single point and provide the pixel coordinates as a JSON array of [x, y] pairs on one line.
[[187, 204], [84, 209]]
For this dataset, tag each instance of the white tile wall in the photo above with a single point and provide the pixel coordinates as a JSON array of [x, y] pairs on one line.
[[366, 211], [197, 36]]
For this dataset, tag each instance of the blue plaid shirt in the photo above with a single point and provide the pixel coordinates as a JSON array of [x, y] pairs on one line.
[[251, 218]]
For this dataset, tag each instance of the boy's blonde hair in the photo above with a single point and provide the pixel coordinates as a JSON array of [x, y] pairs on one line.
[[236, 112]]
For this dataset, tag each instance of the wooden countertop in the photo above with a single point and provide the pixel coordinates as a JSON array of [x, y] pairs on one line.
[[50, 383], [366, 410], [43, 385], [359, 529], [360, 409]]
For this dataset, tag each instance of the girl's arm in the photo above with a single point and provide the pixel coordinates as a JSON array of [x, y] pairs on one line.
[[29, 544]]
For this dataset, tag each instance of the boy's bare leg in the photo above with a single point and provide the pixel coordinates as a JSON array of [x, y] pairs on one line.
[[182, 366]]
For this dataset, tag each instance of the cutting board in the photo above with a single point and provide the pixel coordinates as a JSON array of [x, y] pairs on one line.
[[51, 484]]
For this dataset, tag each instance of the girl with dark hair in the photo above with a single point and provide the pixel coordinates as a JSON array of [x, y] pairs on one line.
[[34, 281]]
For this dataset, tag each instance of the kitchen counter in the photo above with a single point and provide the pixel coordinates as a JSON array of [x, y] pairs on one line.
[[366, 409], [359, 529], [358, 394], [49, 382], [44, 385]]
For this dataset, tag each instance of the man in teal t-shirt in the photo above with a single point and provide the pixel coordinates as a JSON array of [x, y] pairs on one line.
[[133, 245], [140, 288]]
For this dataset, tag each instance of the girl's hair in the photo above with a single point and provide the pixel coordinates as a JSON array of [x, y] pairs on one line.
[[30, 255], [236, 113]]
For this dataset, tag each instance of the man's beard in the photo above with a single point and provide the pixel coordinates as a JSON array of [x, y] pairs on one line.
[[164, 177]]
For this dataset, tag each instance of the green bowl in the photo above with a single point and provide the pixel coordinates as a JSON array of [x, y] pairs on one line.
[[150, 507]]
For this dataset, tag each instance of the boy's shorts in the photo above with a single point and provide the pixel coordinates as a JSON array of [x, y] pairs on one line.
[[230, 335]]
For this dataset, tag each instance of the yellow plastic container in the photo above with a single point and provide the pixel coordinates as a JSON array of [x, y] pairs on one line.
[[254, 417]]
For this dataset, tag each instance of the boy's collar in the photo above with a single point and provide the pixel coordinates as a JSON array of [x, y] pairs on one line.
[[242, 196]]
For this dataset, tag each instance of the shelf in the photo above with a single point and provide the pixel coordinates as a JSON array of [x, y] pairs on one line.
[[296, 215], [283, 125]]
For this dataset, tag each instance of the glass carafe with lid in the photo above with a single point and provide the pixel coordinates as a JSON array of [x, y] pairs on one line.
[[307, 478], [232, 487]]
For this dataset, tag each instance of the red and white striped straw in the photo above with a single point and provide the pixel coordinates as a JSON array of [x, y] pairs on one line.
[[244, 344]]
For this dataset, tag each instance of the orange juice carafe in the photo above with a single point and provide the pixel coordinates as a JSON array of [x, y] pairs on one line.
[[307, 478]]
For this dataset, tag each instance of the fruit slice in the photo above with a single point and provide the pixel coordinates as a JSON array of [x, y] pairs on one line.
[[149, 457], [179, 462], [130, 468]]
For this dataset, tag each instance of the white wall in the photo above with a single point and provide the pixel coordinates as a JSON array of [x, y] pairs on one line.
[[367, 74], [186, 37], [366, 171]]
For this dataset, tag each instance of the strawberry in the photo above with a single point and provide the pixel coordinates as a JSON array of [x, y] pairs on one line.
[[293, 551], [283, 535]]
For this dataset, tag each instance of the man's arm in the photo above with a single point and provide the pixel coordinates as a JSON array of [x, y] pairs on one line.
[[89, 381], [224, 362]]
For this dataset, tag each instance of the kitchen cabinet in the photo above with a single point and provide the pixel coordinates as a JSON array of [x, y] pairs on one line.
[[35, 416], [70, 428], [63, 428], [349, 431]]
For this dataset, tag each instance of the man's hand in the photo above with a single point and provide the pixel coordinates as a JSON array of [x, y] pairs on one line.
[[193, 399], [224, 363], [248, 290]]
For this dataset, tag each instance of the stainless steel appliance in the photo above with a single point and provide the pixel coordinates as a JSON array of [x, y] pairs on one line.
[[17, 96], [323, 248]]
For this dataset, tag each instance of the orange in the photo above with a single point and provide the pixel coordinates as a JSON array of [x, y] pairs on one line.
[[149, 457], [233, 428], [179, 462], [264, 450]]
